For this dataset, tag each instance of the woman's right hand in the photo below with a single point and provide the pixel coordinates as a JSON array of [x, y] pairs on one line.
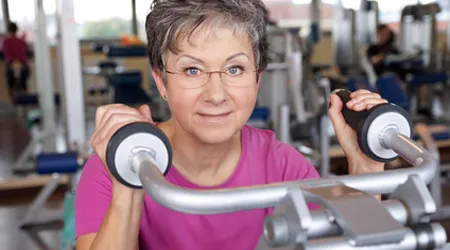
[[110, 118]]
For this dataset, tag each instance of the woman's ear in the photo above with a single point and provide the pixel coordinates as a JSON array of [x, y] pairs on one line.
[[160, 84], [258, 77]]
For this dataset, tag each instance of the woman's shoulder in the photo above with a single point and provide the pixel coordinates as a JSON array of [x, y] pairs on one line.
[[94, 172], [262, 138], [281, 157]]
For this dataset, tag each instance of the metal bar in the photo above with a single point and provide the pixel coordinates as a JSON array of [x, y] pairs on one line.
[[44, 74], [42, 197], [6, 17], [71, 74], [323, 226], [410, 242], [263, 196], [284, 127], [38, 240], [429, 143], [134, 20]]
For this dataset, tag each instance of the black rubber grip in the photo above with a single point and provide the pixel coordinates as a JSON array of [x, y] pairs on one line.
[[126, 131], [360, 121], [354, 119]]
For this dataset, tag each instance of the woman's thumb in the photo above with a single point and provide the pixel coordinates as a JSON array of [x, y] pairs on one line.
[[145, 111]]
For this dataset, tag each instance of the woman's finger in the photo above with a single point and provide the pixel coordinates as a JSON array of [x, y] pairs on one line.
[[360, 98]]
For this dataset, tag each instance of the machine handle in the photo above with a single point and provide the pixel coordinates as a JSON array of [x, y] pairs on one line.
[[370, 125], [353, 118], [145, 167]]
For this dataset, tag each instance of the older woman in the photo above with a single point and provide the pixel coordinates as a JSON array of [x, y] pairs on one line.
[[208, 57]]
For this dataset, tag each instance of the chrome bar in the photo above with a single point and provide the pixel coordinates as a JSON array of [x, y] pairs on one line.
[[263, 196]]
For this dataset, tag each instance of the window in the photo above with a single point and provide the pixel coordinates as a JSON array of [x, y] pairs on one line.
[[102, 19], [23, 13], [142, 9], [2, 21]]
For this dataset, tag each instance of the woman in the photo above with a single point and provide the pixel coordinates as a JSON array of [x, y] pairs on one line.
[[384, 46], [15, 50], [208, 58]]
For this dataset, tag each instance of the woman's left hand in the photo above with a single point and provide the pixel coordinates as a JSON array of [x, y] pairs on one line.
[[358, 162]]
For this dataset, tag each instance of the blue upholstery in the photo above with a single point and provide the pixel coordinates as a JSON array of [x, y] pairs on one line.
[[358, 82], [132, 77], [130, 95], [126, 51], [413, 63], [390, 88], [107, 65], [428, 78], [260, 113], [127, 88]]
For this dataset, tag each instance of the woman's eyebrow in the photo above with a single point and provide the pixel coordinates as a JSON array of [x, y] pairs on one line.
[[201, 61]]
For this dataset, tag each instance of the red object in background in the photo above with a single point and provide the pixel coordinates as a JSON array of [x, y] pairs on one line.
[[15, 49]]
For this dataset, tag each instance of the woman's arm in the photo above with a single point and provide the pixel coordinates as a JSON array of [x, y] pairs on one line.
[[120, 227], [376, 59]]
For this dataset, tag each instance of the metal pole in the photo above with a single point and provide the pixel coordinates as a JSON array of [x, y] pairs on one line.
[[44, 75], [6, 18], [134, 20], [284, 128], [263, 196], [70, 63], [315, 20]]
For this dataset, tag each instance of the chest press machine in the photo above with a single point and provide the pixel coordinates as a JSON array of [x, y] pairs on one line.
[[139, 155]]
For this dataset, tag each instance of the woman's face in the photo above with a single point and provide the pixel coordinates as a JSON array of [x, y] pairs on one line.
[[383, 35], [212, 107]]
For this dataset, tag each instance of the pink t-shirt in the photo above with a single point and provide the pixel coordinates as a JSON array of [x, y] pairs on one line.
[[263, 160]]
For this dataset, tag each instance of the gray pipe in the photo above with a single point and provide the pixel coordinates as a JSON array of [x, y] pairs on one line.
[[263, 196]]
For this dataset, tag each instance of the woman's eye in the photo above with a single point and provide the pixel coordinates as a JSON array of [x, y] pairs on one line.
[[235, 70], [192, 71]]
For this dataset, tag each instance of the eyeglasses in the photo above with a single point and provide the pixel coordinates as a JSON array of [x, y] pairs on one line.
[[236, 76]]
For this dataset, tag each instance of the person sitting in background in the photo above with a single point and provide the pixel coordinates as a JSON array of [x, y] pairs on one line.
[[384, 45], [15, 50]]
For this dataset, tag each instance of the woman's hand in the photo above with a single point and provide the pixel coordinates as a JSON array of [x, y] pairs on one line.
[[358, 162], [110, 118]]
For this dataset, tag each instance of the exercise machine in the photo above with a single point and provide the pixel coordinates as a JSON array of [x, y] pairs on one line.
[[352, 30], [297, 99], [350, 216], [52, 161]]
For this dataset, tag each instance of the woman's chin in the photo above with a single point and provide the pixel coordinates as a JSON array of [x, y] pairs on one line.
[[216, 135]]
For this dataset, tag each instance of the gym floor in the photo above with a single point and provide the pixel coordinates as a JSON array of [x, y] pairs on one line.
[[13, 205]]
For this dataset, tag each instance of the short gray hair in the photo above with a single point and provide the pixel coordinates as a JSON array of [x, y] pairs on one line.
[[171, 20]]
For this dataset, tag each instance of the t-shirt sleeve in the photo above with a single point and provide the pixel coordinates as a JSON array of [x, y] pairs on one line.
[[295, 166], [93, 197]]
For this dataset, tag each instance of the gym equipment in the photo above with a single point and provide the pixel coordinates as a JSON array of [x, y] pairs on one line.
[[288, 82], [260, 118], [427, 138], [418, 31], [351, 31], [57, 163], [139, 155], [36, 221], [72, 99], [127, 88], [125, 51]]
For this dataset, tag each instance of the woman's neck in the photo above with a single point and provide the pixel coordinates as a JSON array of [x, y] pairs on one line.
[[204, 164]]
